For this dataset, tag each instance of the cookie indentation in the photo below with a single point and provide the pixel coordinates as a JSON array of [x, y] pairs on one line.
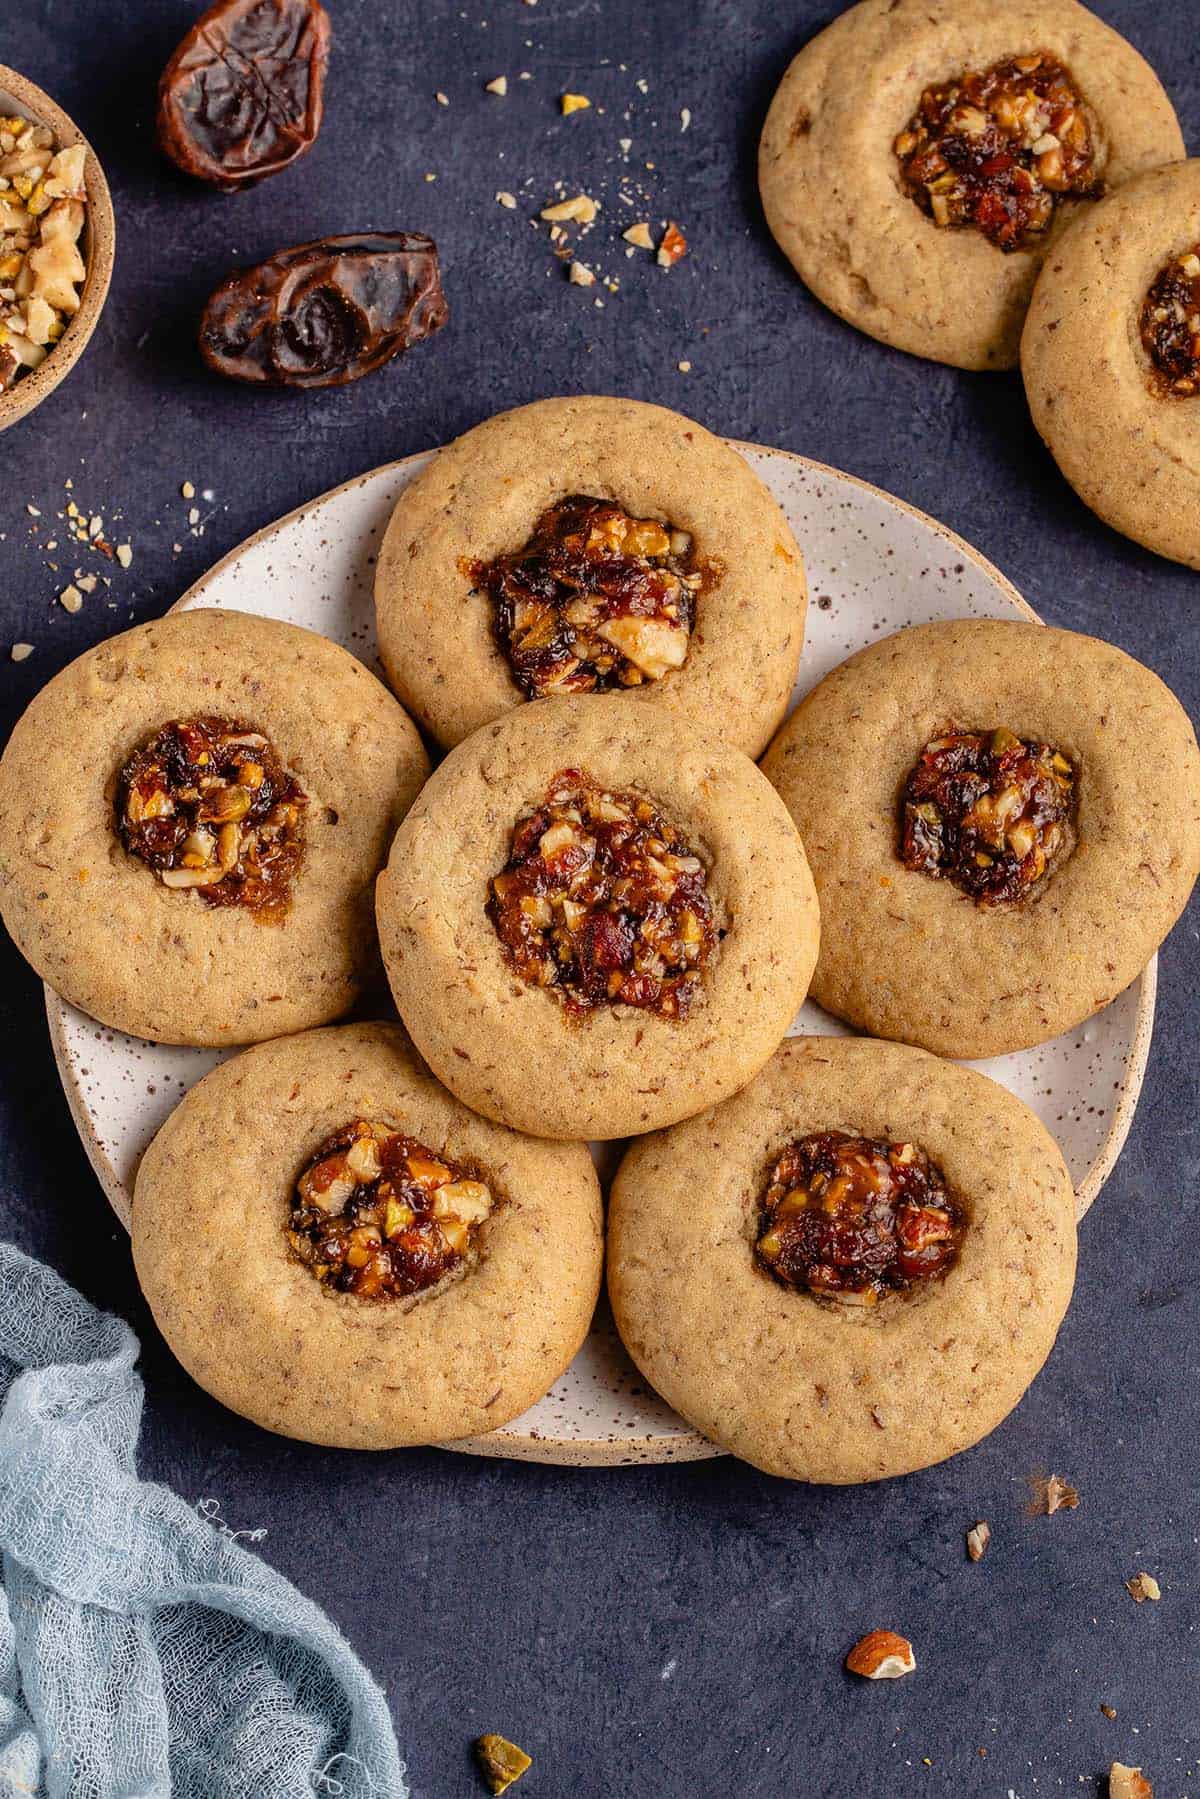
[[597, 599], [855, 1218], [378, 1214], [1170, 326], [602, 901], [989, 811], [207, 804], [997, 149]]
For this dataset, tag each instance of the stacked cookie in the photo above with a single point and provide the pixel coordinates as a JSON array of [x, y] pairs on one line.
[[984, 185], [840, 1259]]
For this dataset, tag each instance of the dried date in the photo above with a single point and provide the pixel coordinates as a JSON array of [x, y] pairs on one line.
[[242, 96], [325, 313]]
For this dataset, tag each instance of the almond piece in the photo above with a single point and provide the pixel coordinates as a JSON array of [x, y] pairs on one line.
[[1128, 1783], [881, 1655]]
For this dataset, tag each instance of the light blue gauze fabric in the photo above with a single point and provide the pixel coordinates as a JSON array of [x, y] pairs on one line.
[[142, 1653]]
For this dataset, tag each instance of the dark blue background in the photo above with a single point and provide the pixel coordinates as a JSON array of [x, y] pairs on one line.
[[670, 1632]]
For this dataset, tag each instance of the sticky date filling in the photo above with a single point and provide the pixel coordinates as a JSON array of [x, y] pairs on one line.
[[855, 1218], [997, 149], [1170, 326], [380, 1215], [603, 902], [989, 811], [207, 804], [595, 600]]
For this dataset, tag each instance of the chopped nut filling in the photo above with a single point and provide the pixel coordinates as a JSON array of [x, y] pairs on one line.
[[595, 600], [602, 901], [989, 811], [208, 804], [853, 1218], [1171, 326], [377, 1214], [43, 201], [998, 148]]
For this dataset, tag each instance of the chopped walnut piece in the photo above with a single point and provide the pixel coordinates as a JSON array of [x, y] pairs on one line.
[[1143, 1587], [42, 210], [1052, 1494], [881, 1655], [1128, 1783], [672, 248], [978, 1538], [501, 1762], [580, 207]]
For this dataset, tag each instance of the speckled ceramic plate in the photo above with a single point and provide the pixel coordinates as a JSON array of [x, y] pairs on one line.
[[874, 565]]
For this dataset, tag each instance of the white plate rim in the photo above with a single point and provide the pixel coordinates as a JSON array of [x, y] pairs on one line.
[[690, 1445]]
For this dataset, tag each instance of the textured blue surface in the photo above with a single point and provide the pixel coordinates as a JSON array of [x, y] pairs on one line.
[[670, 1632]]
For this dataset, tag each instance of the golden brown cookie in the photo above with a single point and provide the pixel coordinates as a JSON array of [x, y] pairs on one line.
[[587, 545], [337, 1249], [209, 884], [857, 130], [1003, 823], [596, 921], [852, 1269], [1109, 360]]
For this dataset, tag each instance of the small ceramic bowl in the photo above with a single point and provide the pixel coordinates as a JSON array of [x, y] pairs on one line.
[[20, 97]]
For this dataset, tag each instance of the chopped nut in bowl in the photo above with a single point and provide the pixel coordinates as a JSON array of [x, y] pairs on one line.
[[56, 245]]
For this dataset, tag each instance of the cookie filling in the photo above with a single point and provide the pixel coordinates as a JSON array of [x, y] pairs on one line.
[[603, 902], [989, 811], [207, 804], [379, 1215], [998, 148], [1170, 325], [855, 1218], [596, 600]]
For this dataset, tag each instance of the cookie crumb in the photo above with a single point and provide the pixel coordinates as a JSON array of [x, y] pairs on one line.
[[504, 198], [882, 1655], [1143, 1587], [21, 652], [581, 275], [639, 235], [1109, 1711], [672, 248], [188, 491], [685, 368], [70, 599], [441, 98], [498, 86], [574, 103], [124, 554], [580, 207]]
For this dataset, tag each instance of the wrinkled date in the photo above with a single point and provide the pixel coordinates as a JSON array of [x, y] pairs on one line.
[[325, 313], [242, 96]]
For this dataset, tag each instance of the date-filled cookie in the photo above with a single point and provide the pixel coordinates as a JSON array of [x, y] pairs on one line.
[[919, 159], [591, 545], [192, 816], [852, 1269], [1111, 359], [340, 1251], [596, 920], [1003, 823]]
